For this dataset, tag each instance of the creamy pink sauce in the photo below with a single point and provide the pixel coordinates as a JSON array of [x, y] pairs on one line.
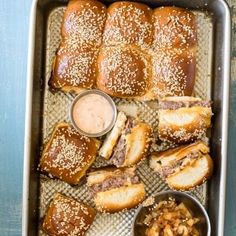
[[92, 113]]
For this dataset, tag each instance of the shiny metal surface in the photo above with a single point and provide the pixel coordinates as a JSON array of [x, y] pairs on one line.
[[194, 206], [35, 128]]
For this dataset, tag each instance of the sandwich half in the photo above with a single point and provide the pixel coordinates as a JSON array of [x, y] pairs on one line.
[[115, 189], [127, 143], [183, 119], [184, 167]]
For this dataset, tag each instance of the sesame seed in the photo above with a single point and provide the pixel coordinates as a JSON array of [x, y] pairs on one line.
[[125, 70], [169, 73], [68, 154], [129, 24], [168, 39], [87, 23], [69, 217], [175, 29]]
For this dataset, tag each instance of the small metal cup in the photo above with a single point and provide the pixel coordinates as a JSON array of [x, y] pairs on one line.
[[193, 205], [108, 98]]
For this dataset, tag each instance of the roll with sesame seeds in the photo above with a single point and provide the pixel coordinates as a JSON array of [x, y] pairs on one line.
[[184, 167], [128, 23], [123, 71], [115, 189], [174, 52], [74, 68], [67, 217], [174, 27], [183, 119], [173, 73], [74, 72], [84, 19], [68, 155]]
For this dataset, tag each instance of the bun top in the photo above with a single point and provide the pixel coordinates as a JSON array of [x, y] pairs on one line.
[[173, 72], [128, 23], [174, 27], [67, 216], [84, 20], [123, 71], [68, 153], [75, 69]]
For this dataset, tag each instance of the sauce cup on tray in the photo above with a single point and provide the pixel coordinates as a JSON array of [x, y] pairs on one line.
[[93, 113]]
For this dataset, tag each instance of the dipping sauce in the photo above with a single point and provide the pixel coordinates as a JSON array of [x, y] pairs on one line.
[[92, 113]]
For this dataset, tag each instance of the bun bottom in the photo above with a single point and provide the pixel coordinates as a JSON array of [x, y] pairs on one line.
[[192, 176], [119, 199]]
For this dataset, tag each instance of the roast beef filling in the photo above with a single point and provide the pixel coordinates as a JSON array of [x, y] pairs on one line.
[[114, 182], [166, 171], [118, 156], [172, 105]]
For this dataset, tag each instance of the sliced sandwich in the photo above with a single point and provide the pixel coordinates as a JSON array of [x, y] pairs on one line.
[[115, 189], [127, 143], [183, 167], [183, 119]]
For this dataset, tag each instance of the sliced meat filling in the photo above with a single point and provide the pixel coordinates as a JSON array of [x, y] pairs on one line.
[[119, 151], [166, 171], [171, 105], [114, 182]]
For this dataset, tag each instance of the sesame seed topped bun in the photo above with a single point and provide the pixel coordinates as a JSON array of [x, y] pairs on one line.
[[74, 68], [123, 71], [127, 50], [128, 23], [66, 216], [174, 27], [68, 155], [183, 120]]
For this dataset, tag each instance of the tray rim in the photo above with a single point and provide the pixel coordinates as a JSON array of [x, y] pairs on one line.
[[225, 117], [28, 115]]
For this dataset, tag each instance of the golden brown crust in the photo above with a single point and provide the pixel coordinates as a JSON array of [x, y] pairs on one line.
[[184, 167], [173, 73], [111, 139], [128, 23], [137, 144], [74, 68], [116, 189], [119, 199], [123, 71], [66, 216], [174, 45], [68, 154], [74, 71], [193, 175], [145, 54], [84, 19], [184, 124], [174, 28]]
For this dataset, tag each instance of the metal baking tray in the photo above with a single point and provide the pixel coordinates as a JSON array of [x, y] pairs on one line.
[[213, 66]]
